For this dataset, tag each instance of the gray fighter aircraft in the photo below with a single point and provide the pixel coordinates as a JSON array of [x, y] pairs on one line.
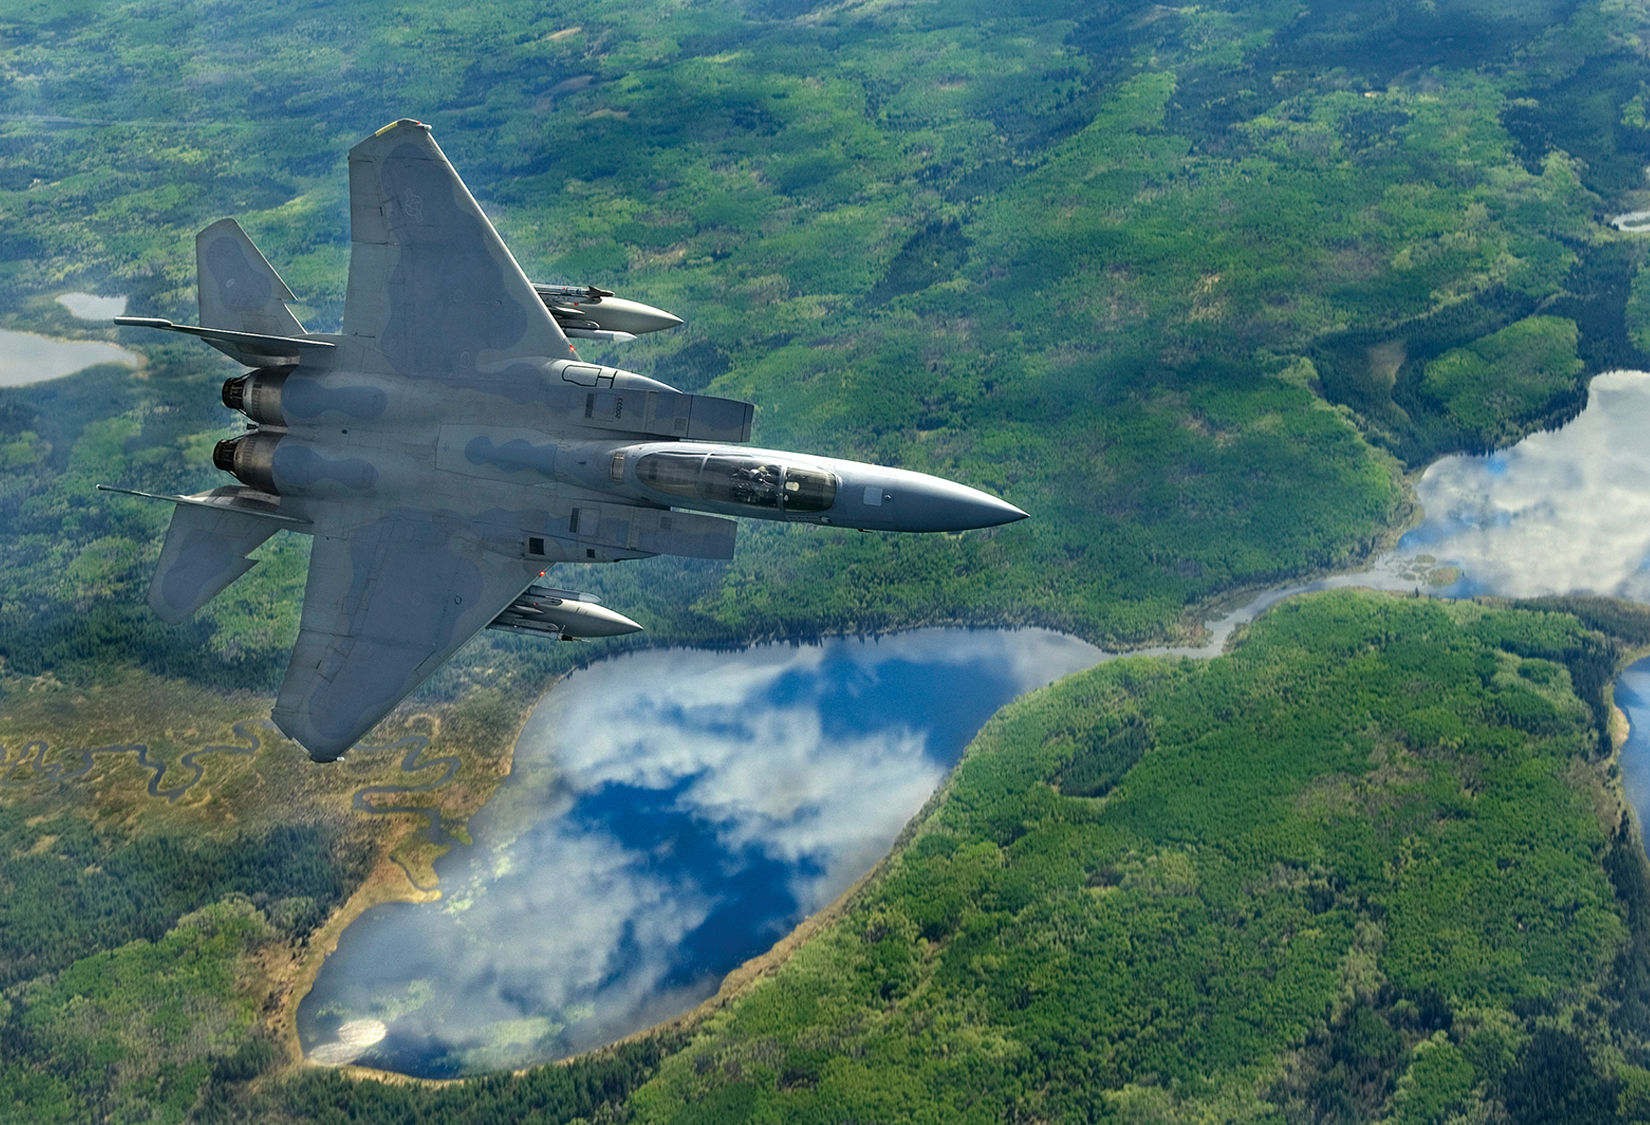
[[448, 445]]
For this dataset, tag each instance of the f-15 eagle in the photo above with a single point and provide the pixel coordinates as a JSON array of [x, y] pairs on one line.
[[448, 445]]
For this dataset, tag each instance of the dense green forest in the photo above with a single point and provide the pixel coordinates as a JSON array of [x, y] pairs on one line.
[[123, 961], [1195, 287]]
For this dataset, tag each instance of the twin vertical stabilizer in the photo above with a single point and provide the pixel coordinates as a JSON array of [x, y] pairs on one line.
[[207, 544]]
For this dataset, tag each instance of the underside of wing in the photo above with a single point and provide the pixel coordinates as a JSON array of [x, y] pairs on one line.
[[430, 280], [384, 607]]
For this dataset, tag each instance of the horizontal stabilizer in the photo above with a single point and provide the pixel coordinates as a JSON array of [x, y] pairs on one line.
[[239, 289], [254, 349], [205, 551], [237, 499]]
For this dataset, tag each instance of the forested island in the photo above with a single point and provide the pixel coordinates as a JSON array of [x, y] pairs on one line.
[[1199, 288]]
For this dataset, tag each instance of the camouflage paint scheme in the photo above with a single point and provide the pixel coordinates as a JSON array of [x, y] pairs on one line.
[[448, 445]]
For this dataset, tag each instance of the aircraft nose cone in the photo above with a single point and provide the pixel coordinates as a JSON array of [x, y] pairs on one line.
[[962, 508], [995, 511], [918, 502]]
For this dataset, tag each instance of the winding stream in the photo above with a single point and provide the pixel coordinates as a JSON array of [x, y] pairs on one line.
[[71, 765], [411, 762]]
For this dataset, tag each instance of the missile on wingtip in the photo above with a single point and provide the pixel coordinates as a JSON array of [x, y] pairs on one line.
[[543, 610], [584, 310]]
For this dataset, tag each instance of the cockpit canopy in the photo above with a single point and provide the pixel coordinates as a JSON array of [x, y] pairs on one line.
[[750, 481]]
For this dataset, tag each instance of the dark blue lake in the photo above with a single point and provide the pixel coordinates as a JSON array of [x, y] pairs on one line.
[[1633, 697], [670, 815]]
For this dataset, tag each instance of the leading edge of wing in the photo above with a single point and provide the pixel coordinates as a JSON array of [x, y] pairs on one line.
[[385, 607], [431, 281]]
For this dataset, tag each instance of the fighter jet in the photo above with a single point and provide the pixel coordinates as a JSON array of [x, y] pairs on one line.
[[448, 445]]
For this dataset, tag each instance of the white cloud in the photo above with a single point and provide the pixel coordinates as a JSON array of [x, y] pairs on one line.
[[555, 913]]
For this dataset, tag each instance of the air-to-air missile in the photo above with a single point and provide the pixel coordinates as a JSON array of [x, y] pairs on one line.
[[596, 314], [448, 444], [562, 613]]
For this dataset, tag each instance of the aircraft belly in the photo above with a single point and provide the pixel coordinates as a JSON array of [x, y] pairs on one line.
[[511, 455]]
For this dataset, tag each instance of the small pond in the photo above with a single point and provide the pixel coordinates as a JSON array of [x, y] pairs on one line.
[[671, 813], [29, 358], [88, 306]]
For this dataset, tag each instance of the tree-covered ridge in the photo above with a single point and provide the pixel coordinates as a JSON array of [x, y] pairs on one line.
[[149, 1031], [1369, 868], [135, 973]]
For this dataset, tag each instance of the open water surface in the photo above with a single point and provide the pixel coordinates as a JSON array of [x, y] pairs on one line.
[[88, 306], [672, 813], [29, 358]]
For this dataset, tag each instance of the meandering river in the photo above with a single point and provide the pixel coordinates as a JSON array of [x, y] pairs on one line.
[[672, 813]]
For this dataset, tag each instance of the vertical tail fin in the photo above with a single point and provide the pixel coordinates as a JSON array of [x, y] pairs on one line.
[[239, 290]]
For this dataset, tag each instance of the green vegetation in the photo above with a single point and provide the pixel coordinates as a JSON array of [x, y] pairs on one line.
[[593, 1088], [151, 949], [1494, 387], [1194, 286], [139, 1031], [71, 893], [1357, 874]]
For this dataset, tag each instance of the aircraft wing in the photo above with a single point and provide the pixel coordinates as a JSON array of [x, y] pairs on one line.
[[431, 284], [386, 604]]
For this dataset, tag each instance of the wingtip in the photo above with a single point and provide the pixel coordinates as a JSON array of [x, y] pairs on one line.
[[402, 123], [323, 750]]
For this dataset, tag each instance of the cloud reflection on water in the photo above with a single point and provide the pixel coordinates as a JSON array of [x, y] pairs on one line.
[[1560, 512], [671, 813]]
